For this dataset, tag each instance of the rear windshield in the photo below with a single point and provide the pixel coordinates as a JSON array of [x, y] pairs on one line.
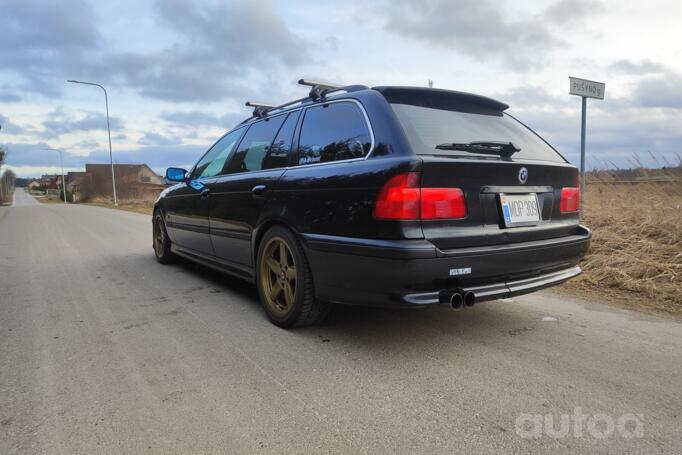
[[427, 127]]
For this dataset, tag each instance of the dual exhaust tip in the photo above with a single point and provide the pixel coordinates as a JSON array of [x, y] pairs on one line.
[[458, 299]]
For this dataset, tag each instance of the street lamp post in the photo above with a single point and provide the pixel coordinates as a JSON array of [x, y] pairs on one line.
[[111, 156], [61, 162]]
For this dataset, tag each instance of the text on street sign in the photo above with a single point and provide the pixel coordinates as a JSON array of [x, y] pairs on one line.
[[587, 88]]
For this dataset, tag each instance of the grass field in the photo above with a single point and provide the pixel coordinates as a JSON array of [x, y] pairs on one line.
[[636, 253]]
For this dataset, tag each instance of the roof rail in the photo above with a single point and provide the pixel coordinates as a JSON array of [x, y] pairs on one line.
[[259, 110]]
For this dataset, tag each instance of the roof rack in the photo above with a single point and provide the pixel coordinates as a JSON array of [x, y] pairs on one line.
[[259, 110], [318, 91]]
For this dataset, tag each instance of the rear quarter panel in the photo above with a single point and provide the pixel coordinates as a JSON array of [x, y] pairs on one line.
[[337, 198]]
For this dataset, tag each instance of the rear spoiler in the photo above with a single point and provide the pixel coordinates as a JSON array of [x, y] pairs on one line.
[[442, 99]]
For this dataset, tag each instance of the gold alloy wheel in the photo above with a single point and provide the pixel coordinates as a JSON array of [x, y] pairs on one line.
[[158, 237], [278, 276]]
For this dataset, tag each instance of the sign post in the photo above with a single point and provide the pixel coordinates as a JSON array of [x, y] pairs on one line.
[[585, 89]]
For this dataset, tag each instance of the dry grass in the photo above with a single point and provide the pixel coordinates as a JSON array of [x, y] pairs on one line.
[[127, 205], [636, 253], [45, 200]]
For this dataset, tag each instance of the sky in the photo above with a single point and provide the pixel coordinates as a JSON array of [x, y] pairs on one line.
[[178, 73]]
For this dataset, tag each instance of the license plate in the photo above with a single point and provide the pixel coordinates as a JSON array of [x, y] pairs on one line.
[[520, 209]]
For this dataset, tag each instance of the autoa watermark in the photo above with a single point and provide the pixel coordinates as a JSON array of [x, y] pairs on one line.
[[578, 425]]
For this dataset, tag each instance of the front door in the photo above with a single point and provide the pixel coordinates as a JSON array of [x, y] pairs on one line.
[[187, 218], [188, 209]]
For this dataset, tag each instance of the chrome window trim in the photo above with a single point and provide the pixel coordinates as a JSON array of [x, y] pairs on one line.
[[368, 124], [300, 108]]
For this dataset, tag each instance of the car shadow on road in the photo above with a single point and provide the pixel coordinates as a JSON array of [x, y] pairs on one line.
[[371, 325]]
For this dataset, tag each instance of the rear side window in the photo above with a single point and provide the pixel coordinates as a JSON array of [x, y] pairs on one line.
[[278, 156], [427, 127], [333, 132], [253, 149], [211, 164]]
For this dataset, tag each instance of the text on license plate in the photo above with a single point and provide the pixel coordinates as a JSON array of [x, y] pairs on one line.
[[520, 209]]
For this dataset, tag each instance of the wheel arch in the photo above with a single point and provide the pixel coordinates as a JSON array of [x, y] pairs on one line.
[[159, 209], [260, 231]]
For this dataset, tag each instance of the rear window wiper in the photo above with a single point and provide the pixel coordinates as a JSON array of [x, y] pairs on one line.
[[505, 149]]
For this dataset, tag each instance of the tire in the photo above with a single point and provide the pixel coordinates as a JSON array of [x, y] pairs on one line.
[[160, 240], [285, 282]]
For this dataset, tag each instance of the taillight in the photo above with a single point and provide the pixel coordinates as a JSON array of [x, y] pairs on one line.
[[402, 198], [570, 200], [442, 203], [398, 199]]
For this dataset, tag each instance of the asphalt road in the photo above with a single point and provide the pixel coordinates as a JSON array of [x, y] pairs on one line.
[[102, 350]]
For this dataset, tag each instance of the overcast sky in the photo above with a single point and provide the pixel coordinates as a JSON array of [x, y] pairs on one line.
[[178, 72]]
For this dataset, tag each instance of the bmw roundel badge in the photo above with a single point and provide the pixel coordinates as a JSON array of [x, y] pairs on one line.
[[523, 175]]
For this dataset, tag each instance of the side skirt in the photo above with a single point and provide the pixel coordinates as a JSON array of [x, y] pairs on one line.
[[221, 265]]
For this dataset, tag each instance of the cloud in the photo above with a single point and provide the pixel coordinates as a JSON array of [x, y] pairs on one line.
[[663, 91], [221, 46], [572, 12], [8, 127], [151, 138], [212, 49], [6, 97], [613, 137], [185, 119], [59, 123], [41, 37], [534, 96], [482, 30], [640, 67]]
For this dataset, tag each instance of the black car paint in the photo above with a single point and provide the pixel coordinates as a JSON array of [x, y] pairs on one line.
[[358, 259]]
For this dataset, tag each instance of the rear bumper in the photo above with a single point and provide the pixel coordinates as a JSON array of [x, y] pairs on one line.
[[414, 272]]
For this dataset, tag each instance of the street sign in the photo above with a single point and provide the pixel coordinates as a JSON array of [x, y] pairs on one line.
[[587, 88]]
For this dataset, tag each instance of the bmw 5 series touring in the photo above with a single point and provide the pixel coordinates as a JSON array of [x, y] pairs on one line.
[[391, 196]]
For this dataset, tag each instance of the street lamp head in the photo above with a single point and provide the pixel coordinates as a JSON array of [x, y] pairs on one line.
[[71, 80]]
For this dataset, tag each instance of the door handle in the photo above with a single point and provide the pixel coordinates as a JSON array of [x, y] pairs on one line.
[[204, 193], [258, 190]]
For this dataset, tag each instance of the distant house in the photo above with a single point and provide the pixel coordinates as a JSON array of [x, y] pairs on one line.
[[133, 181], [73, 184], [33, 185], [49, 181]]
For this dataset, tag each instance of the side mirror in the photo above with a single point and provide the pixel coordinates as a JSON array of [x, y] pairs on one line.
[[176, 174]]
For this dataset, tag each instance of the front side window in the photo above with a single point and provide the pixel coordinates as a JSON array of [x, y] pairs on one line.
[[253, 149], [333, 132], [212, 163]]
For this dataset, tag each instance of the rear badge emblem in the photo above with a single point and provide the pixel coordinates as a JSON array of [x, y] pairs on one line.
[[460, 271], [523, 175]]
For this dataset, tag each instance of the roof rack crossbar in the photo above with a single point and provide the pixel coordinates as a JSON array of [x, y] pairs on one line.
[[260, 110], [318, 89]]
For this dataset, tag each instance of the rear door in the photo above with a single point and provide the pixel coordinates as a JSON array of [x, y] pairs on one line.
[[187, 209], [238, 196], [529, 181]]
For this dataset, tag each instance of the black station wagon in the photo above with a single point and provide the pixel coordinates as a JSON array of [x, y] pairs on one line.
[[391, 196]]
